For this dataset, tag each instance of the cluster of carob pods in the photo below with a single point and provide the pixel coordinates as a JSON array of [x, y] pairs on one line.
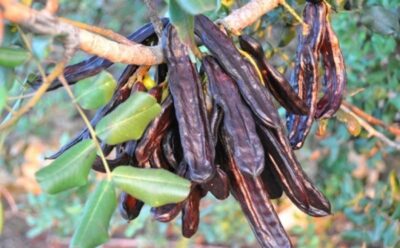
[[219, 126]]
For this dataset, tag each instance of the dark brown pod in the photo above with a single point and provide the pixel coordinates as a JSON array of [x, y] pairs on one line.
[[218, 185], [334, 77], [190, 108], [129, 207], [191, 212], [274, 80], [242, 72], [305, 75], [167, 212], [271, 181], [297, 186], [238, 121], [154, 133], [253, 198]]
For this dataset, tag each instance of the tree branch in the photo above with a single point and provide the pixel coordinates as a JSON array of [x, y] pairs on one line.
[[371, 130], [44, 22]]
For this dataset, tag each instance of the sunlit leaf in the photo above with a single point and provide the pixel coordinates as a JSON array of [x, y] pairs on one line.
[[12, 57], [353, 126], [129, 120], [195, 7], [155, 187], [69, 170], [93, 226], [94, 92]]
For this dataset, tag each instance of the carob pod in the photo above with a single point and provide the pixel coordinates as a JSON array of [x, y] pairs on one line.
[[271, 181], [334, 76], [152, 138], [274, 80], [238, 121], [243, 73], [129, 207], [120, 95], [253, 198], [95, 64], [171, 148], [216, 118], [168, 212], [296, 184], [305, 75], [190, 109], [218, 186], [191, 212]]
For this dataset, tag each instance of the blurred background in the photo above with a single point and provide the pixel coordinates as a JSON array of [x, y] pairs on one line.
[[358, 173]]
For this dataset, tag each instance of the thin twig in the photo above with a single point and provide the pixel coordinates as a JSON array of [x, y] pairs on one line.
[[87, 123], [155, 20], [371, 130], [108, 33], [10, 199], [293, 12], [38, 94], [372, 120], [59, 68]]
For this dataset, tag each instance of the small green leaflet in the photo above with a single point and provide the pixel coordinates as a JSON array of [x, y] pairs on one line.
[[92, 230], [94, 92], [155, 187], [129, 120], [183, 22], [12, 57], [3, 97], [195, 7], [69, 170]]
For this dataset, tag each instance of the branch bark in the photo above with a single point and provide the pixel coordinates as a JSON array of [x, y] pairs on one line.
[[44, 22]]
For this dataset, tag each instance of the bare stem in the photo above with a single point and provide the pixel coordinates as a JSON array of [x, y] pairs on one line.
[[88, 125], [371, 130]]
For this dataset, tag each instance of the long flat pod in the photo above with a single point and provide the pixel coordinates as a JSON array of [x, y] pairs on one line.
[[305, 75], [190, 108], [274, 80], [253, 198], [243, 73], [334, 76], [238, 121], [297, 186], [191, 212], [129, 207], [94, 65], [155, 132]]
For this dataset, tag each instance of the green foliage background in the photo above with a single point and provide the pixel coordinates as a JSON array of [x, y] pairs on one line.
[[361, 185]]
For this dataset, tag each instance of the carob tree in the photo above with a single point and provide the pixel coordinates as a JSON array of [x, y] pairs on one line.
[[207, 124]]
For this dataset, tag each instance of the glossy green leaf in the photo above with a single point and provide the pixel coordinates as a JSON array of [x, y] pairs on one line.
[[129, 120], [12, 57], [69, 170], [195, 7], [94, 92], [155, 187], [1, 217], [183, 22], [93, 227], [3, 97]]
